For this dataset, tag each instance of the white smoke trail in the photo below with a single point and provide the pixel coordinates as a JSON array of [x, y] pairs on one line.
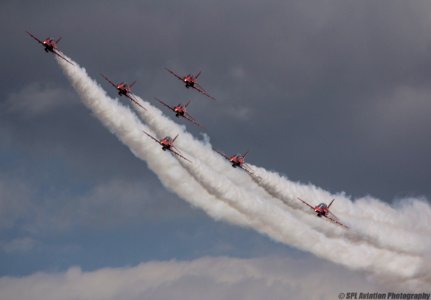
[[377, 223], [217, 182], [275, 222], [288, 229], [367, 228], [227, 191]]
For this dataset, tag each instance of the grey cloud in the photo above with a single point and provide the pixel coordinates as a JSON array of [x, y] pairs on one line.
[[38, 99], [23, 244], [303, 70], [113, 203], [402, 112], [119, 202], [15, 202]]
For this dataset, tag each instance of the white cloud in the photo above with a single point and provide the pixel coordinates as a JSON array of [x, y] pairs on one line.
[[204, 278]]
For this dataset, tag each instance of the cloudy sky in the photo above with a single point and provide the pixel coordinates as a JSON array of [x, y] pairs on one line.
[[334, 93]]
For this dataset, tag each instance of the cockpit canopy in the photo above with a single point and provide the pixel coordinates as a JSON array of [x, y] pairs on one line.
[[322, 205]]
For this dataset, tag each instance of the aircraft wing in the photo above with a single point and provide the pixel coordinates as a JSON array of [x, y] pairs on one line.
[[39, 41], [309, 205], [135, 101], [335, 220], [222, 154], [179, 155], [108, 80], [190, 118], [61, 56], [175, 74], [201, 90], [152, 137], [165, 104]]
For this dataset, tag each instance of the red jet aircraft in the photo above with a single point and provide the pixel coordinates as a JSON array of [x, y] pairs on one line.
[[237, 160], [323, 210], [191, 81], [181, 111], [50, 46], [167, 143], [124, 89]]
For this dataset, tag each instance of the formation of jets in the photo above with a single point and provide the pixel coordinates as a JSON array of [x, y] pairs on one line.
[[180, 110]]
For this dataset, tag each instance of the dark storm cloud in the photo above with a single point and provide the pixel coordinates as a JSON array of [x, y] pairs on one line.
[[300, 84]]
